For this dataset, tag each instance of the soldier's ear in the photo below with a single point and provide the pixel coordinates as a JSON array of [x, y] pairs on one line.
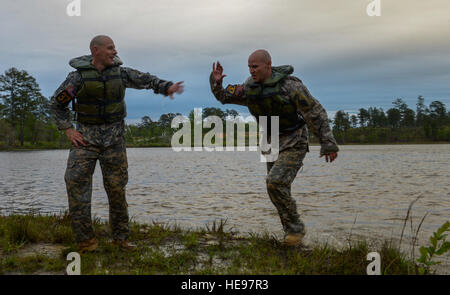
[[94, 50]]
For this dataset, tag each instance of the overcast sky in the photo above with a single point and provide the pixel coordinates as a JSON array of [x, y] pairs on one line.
[[347, 59]]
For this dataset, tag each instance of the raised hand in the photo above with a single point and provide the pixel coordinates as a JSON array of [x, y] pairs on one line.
[[217, 72], [175, 88]]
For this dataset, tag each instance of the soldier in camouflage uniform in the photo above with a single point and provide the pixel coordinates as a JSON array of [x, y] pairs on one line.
[[96, 90], [272, 91]]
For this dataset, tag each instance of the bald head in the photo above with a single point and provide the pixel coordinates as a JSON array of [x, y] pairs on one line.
[[99, 41], [260, 65], [261, 55], [103, 52]]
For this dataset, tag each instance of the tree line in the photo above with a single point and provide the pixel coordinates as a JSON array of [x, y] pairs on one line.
[[25, 120], [398, 124], [157, 133]]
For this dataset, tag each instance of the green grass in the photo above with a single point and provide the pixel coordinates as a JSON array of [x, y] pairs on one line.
[[164, 249]]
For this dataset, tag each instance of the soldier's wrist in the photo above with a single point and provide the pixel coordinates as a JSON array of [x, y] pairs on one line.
[[213, 80], [166, 88], [64, 127], [68, 130], [328, 148]]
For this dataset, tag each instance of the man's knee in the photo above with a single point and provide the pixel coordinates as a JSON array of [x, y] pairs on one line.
[[70, 178], [79, 171], [116, 181], [74, 178], [275, 182]]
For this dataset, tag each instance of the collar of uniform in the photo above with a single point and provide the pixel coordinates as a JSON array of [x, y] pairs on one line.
[[278, 73], [85, 62]]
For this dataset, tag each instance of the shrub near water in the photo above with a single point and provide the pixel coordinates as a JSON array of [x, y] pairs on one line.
[[438, 246]]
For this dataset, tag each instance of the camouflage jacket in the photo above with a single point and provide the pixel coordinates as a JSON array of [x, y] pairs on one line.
[[310, 109], [104, 134]]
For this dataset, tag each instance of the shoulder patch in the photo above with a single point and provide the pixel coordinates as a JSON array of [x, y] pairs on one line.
[[236, 90], [66, 95], [303, 102]]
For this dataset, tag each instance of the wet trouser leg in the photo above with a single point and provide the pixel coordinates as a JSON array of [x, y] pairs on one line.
[[113, 161], [78, 178], [280, 175]]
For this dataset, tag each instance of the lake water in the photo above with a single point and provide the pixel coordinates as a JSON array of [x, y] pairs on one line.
[[364, 193]]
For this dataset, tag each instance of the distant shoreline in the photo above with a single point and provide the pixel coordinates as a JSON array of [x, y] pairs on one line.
[[40, 148]]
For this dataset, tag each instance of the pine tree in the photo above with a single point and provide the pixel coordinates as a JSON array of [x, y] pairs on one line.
[[21, 95], [421, 110]]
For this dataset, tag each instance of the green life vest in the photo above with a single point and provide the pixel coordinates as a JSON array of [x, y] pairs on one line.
[[100, 99], [267, 99]]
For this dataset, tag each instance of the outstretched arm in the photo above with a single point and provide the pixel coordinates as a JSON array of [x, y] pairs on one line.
[[315, 116], [233, 94], [135, 79]]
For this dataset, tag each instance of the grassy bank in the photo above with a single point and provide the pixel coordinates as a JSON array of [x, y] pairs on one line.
[[34, 244]]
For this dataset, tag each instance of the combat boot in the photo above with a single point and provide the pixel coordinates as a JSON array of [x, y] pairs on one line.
[[294, 240], [88, 245], [124, 245]]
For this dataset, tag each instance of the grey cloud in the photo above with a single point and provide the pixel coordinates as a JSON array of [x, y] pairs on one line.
[[347, 59]]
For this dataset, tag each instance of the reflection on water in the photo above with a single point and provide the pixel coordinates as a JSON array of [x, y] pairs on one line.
[[366, 192]]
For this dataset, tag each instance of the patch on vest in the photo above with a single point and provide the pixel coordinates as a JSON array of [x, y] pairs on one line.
[[236, 90], [66, 95], [303, 102]]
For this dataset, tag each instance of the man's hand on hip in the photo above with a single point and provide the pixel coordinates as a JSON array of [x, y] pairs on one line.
[[75, 137], [175, 88]]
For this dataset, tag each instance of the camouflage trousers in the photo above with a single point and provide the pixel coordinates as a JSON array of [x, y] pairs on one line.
[[78, 177], [280, 175]]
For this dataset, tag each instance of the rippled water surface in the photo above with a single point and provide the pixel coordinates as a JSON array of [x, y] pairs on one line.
[[366, 192]]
